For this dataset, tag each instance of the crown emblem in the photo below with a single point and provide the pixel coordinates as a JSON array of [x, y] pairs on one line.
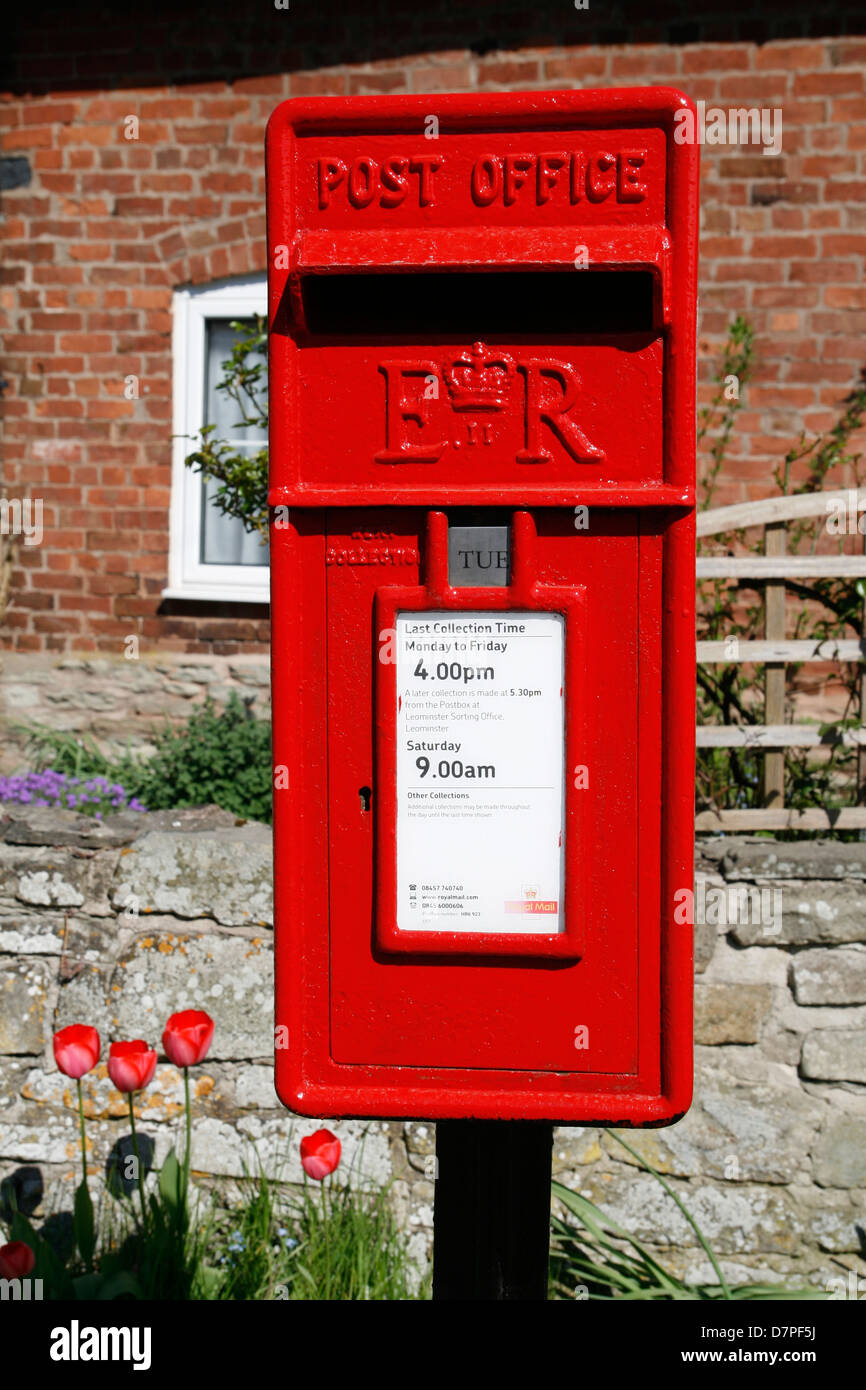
[[479, 379]]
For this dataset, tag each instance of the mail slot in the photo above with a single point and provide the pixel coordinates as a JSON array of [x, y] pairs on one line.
[[482, 574]]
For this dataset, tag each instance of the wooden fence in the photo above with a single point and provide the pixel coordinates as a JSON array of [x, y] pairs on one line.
[[774, 652]]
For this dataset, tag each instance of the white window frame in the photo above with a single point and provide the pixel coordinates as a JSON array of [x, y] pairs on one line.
[[188, 578]]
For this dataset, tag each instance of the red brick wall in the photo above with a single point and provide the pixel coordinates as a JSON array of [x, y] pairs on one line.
[[105, 228]]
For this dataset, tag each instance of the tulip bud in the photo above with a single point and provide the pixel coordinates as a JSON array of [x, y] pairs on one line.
[[131, 1065], [320, 1154], [76, 1049], [187, 1037], [16, 1260]]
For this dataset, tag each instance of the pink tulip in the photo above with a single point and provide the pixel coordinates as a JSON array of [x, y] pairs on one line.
[[187, 1037], [320, 1154], [131, 1065], [76, 1049]]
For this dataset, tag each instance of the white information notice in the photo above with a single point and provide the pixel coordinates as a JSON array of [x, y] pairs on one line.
[[480, 769]]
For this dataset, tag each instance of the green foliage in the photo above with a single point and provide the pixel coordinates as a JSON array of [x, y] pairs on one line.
[[83, 1220], [350, 1248], [717, 419], [329, 1242], [241, 478], [593, 1257], [220, 756], [77, 755], [338, 1244], [730, 779]]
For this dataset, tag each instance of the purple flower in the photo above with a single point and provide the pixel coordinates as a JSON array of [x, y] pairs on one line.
[[58, 789]]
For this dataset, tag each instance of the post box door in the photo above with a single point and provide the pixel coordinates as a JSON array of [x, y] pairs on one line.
[[442, 1011]]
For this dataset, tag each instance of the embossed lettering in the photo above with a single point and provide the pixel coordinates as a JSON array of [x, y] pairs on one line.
[[629, 188], [558, 174], [396, 181], [331, 172], [367, 181], [577, 176], [536, 372], [517, 166], [424, 167], [401, 408], [480, 384], [547, 173], [599, 187], [363, 179], [486, 180]]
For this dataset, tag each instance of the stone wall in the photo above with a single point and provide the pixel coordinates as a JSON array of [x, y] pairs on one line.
[[117, 701], [122, 923]]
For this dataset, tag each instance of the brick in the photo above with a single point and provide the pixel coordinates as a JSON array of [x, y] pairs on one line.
[[808, 84], [823, 272], [315, 84], [203, 134], [752, 166], [442, 79], [374, 82], [32, 138], [790, 56], [93, 136], [785, 192], [848, 297], [780, 247], [715, 58], [90, 251]]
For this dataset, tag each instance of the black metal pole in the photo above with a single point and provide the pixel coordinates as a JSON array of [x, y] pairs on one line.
[[491, 1221]]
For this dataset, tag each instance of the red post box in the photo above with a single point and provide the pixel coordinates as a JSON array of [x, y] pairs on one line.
[[482, 319]]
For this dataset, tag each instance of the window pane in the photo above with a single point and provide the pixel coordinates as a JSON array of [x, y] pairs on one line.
[[224, 540]]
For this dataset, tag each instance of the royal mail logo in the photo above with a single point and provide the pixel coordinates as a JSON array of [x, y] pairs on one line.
[[479, 385], [532, 905]]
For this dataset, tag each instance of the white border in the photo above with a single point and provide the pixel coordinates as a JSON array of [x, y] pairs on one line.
[[188, 578]]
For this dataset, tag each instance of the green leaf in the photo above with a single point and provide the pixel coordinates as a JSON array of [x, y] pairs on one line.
[[171, 1181], [49, 1267], [121, 1285], [85, 1231]]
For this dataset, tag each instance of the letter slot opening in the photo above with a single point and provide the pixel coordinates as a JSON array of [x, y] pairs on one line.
[[421, 306]]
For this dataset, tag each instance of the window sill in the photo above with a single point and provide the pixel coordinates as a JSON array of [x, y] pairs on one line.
[[219, 593]]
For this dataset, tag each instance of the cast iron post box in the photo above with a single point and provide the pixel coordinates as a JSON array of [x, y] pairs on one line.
[[482, 479]]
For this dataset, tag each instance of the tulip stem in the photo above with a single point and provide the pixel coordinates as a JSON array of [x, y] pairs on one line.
[[188, 1151], [327, 1240], [81, 1124], [138, 1172]]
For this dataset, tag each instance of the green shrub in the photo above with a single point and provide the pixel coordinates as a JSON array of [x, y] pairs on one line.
[[220, 756]]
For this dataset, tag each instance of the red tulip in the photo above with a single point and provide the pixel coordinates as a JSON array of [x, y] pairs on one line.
[[131, 1065], [187, 1037], [16, 1260], [320, 1153], [76, 1049]]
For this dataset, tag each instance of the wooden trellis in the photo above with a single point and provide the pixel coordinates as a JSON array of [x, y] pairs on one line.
[[774, 652]]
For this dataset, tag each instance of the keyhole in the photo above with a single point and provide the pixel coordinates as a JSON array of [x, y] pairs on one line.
[[366, 796]]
